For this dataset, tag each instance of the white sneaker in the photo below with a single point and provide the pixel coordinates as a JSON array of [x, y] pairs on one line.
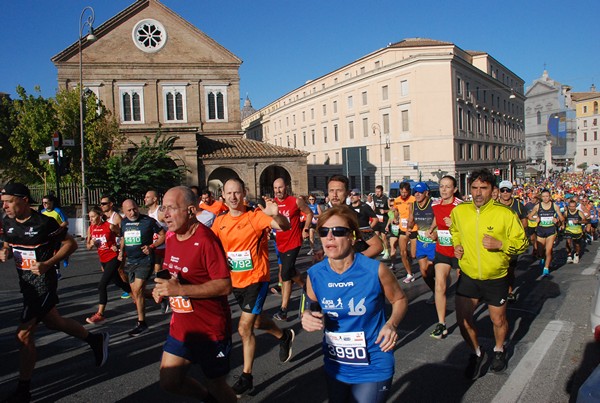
[[576, 259], [569, 259], [408, 279]]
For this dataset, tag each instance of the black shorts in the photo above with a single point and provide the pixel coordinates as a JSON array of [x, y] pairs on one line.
[[439, 258], [529, 231], [252, 298], [37, 306], [492, 292], [213, 356], [413, 235], [142, 269], [288, 263], [545, 232], [380, 226]]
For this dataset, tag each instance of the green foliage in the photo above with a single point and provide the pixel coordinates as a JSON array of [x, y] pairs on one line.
[[583, 166], [145, 166]]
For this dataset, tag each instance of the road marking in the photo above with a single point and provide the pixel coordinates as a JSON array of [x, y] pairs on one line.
[[519, 378], [591, 270]]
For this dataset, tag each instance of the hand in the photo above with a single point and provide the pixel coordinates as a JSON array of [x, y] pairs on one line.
[[491, 243], [459, 251], [431, 233], [271, 208], [387, 337], [40, 268], [448, 221], [146, 249], [4, 254], [312, 321], [305, 234], [166, 288]]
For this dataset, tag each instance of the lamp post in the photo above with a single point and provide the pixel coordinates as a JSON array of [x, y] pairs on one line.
[[90, 37], [376, 127]]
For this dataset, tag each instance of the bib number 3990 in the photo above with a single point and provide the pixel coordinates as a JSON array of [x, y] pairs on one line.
[[347, 348]]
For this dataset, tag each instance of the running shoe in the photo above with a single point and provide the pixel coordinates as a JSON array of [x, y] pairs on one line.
[[546, 272], [430, 300], [281, 315], [385, 256], [408, 279], [576, 258], [473, 369], [542, 263], [285, 345], [243, 385], [499, 362], [125, 295], [569, 259], [99, 344], [139, 329], [95, 318], [512, 298], [439, 332]]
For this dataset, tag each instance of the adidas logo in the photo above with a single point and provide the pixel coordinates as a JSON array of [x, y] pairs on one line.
[[502, 301], [220, 355], [490, 228], [247, 306]]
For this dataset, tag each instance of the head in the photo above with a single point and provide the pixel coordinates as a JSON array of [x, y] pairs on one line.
[[355, 196], [196, 190], [545, 196], [448, 187], [107, 204], [151, 198], [370, 197], [342, 221], [421, 192], [312, 199], [95, 215], [506, 190], [279, 189], [234, 191], [337, 189], [16, 199], [179, 209], [378, 190], [49, 202], [405, 190], [481, 184], [572, 205], [207, 197], [131, 210]]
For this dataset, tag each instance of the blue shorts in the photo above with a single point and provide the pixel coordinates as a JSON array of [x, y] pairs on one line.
[[425, 250], [213, 356]]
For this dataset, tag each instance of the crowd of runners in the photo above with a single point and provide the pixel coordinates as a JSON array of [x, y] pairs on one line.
[[195, 249]]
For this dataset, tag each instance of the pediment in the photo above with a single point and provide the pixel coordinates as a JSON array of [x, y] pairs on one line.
[[540, 88], [184, 44]]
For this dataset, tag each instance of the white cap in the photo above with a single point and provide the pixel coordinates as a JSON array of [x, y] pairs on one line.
[[505, 184]]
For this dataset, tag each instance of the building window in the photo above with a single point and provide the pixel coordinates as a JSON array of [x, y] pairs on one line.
[[585, 136], [350, 102], [217, 103], [335, 133], [595, 107], [325, 134], [595, 136], [538, 115], [304, 138], [461, 151], [364, 98], [312, 113], [149, 35], [384, 93], [406, 151], [585, 123], [324, 110], [405, 123], [377, 64], [470, 153], [460, 119], [584, 108], [404, 88], [386, 123], [312, 134], [479, 123], [304, 116], [174, 98], [486, 125], [595, 151], [365, 123], [458, 86], [351, 129], [585, 152], [294, 140], [469, 122], [337, 157], [132, 104], [362, 70], [334, 106]]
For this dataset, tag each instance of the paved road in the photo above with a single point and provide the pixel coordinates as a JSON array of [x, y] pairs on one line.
[[551, 347]]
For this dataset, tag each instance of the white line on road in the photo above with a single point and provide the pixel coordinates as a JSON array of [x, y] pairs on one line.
[[521, 375]]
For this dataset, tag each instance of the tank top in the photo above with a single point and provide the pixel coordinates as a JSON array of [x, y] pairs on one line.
[[104, 239], [423, 220], [292, 238], [441, 211], [315, 210], [546, 216], [154, 215], [573, 222]]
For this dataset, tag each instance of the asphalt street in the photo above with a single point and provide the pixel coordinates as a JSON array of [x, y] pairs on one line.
[[551, 347]]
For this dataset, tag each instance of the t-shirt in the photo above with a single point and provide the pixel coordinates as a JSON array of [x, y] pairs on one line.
[[35, 240], [364, 214], [55, 213], [403, 207], [104, 239], [216, 208], [137, 234], [154, 214], [381, 205], [198, 260], [444, 238], [292, 238], [245, 240]]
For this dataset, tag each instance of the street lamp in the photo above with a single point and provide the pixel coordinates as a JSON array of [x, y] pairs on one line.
[[375, 127], [90, 37]]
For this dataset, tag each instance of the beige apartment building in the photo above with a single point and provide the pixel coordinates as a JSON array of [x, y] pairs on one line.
[[588, 117], [156, 71], [418, 108]]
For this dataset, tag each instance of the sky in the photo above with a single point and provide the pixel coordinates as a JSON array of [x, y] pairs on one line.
[[285, 43]]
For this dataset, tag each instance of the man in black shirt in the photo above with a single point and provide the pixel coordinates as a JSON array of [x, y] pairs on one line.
[[367, 219], [38, 244], [380, 201]]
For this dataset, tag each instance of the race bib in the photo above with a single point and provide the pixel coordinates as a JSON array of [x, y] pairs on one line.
[[444, 237], [181, 304], [546, 221], [133, 237], [395, 229], [380, 217], [347, 348], [24, 258], [240, 261], [100, 241], [422, 236], [404, 222]]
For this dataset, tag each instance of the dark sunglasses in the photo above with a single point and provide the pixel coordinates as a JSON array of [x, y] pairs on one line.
[[104, 203], [505, 190], [336, 231]]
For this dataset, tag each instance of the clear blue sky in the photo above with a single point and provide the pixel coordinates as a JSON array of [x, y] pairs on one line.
[[285, 43]]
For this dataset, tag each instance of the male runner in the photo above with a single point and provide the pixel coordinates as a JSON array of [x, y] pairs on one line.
[[402, 204], [196, 286], [381, 204], [208, 203], [38, 244]]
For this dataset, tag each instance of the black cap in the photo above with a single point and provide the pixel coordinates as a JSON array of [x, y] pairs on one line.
[[17, 189]]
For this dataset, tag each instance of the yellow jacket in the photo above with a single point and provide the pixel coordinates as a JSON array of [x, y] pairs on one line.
[[469, 224]]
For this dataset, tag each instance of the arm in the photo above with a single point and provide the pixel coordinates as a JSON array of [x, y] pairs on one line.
[[5, 252], [533, 213], [88, 240], [411, 216], [272, 210], [173, 288], [375, 247], [387, 335], [309, 216], [312, 320], [67, 247]]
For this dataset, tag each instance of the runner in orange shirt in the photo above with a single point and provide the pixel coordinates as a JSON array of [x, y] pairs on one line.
[[208, 203], [403, 204]]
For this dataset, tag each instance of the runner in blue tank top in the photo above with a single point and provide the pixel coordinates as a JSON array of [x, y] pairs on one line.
[[548, 216], [348, 293]]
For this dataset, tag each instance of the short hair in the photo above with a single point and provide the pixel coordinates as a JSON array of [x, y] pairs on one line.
[[345, 213], [189, 197], [110, 198], [50, 197], [98, 211], [379, 187], [484, 175], [205, 191], [238, 180], [340, 178], [405, 186]]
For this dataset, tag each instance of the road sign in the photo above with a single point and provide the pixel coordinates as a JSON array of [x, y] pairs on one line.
[[68, 142], [44, 157], [496, 172]]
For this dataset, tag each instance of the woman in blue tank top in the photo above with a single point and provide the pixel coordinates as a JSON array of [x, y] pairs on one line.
[[347, 293], [548, 216], [316, 210]]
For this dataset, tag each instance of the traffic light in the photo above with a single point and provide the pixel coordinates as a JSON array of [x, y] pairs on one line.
[[64, 166]]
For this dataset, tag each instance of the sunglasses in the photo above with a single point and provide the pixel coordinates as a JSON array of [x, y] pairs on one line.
[[104, 203], [505, 190], [336, 231], [311, 199]]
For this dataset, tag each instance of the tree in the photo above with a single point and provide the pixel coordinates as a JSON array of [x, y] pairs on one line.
[[583, 166], [145, 166]]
